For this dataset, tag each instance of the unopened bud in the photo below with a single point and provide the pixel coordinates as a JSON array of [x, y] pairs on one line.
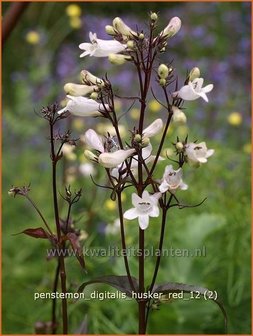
[[89, 78], [172, 28], [178, 116], [153, 16], [122, 28], [118, 59], [90, 156], [179, 146], [194, 73], [145, 142], [130, 44], [141, 36], [163, 71], [137, 138], [110, 30], [94, 95], [78, 89], [162, 81]]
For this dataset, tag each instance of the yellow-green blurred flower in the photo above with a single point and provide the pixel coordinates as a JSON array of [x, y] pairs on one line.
[[32, 37], [103, 128], [110, 205], [182, 131], [154, 106], [235, 119], [73, 10], [75, 22], [135, 113], [247, 148], [78, 124], [117, 105]]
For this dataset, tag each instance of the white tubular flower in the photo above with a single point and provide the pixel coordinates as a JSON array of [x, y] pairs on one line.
[[197, 153], [172, 180], [194, 90], [82, 107], [89, 79], [144, 207], [93, 140], [118, 59], [172, 28], [178, 116], [79, 89], [153, 128], [120, 26], [112, 160], [100, 48]]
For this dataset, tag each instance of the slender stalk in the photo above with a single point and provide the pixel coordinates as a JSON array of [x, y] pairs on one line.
[[142, 302], [54, 302], [40, 214], [58, 228], [123, 241]]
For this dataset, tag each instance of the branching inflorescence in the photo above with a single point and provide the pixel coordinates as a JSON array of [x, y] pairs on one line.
[[131, 163]]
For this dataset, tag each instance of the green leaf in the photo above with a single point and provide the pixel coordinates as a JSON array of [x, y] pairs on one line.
[[119, 282], [174, 287]]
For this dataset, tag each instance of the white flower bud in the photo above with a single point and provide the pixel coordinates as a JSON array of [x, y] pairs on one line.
[[162, 82], [78, 89], [141, 36], [153, 16], [94, 95], [137, 138], [179, 146], [163, 71], [110, 30], [172, 28], [118, 59], [153, 128], [194, 73], [90, 79], [130, 44], [90, 156], [145, 142], [122, 28], [112, 160], [178, 116]]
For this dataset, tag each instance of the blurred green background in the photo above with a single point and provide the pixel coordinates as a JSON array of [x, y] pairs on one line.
[[39, 57]]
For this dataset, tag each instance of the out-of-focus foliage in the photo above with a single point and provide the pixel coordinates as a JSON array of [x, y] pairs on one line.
[[40, 56]]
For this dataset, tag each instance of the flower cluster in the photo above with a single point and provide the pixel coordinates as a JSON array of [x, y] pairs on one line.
[[131, 161]]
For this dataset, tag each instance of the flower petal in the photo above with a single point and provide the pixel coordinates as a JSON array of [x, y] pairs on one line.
[[136, 199], [209, 153], [112, 160], [207, 88], [164, 187], [154, 212], [154, 128], [187, 93], [143, 221], [93, 140], [131, 214]]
